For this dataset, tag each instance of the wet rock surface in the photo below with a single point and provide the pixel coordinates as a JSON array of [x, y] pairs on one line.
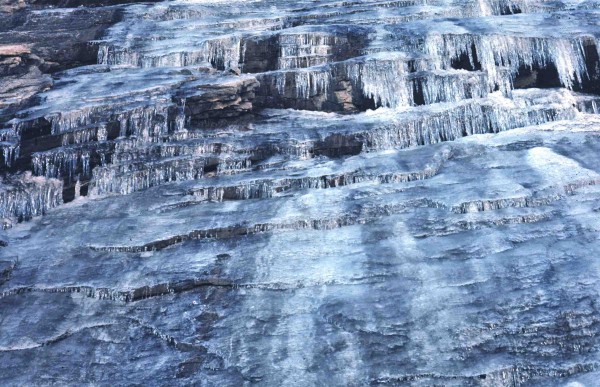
[[300, 193]]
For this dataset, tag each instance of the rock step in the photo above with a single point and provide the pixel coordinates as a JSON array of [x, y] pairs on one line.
[[144, 112], [306, 209], [359, 216], [139, 167], [125, 178], [371, 133], [286, 178]]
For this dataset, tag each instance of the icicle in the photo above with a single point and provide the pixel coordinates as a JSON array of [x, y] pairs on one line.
[[180, 117], [10, 152], [452, 86], [85, 161], [102, 133], [103, 54], [485, 8], [77, 189], [123, 127]]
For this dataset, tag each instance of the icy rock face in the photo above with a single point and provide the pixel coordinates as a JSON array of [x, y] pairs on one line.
[[300, 193]]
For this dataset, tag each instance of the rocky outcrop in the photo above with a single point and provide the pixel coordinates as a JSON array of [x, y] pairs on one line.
[[222, 101], [59, 37], [22, 78], [18, 5], [10, 6]]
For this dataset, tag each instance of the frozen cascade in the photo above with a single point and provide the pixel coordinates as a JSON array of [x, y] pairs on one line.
[[332, 192], [385, 130]]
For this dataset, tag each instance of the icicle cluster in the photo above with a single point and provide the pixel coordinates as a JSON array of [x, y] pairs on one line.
[[190, 149], [451, 86], [86, 135], [66, 163], [588, 104], [390, 82], [382, 79], [230, 165], [456, 121], [117, 56], [305, 83], [10, 152], [499, 7], [127, 178], [26, 196], [224, 52], [132, 148], [148, 122], [307, 49], [497, 52]]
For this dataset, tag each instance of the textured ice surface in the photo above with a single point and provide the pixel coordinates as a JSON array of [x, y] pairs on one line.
[[484, 265], [311, 193]]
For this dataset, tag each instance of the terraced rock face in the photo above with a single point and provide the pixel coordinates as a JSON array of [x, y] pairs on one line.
[[304, 193]]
